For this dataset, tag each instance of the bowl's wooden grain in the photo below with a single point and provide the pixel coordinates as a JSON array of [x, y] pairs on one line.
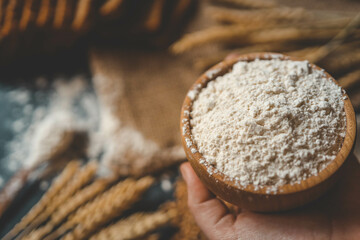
[[288, 196]]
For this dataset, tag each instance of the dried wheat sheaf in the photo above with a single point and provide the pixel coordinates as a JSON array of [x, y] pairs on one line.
[[104, 208]]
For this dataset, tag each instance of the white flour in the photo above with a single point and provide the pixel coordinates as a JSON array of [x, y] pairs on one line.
[[38, 129], [71, 107], [269, 122]]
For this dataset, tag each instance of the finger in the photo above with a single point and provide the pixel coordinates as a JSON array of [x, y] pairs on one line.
[[209, 212], [196, 189]]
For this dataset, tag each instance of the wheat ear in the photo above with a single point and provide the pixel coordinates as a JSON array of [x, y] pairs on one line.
[[68, 173], [104, 208], [136, 225], [82, 177], [71, 205]]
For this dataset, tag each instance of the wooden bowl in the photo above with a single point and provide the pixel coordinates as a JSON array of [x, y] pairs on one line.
[[288, 196]]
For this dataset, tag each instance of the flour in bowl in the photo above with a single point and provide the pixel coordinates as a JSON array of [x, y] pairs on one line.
[[269, 122]]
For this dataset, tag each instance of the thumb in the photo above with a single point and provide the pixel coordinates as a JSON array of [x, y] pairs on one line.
[[209, 212]]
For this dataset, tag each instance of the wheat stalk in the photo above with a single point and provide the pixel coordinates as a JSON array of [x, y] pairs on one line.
[[203, 63], [260, 17], [59, 15], [287, 34], [279, 17], [55, 188], [249, 3], [350, 79], [302, 53], [43, 13], [137, 225], [242, 35], [325, 50], [343, 61], [153, 21], [81, 197], [307, 52], [176, 17], [82, 177], [8, 18], [26, 14], [82, 12], [104, 208], [1, 8], [334, 23], [180, 8], [209, 35], [110, 6], [38, 233]]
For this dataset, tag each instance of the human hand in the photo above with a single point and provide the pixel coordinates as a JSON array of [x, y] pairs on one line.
[[334, 216]]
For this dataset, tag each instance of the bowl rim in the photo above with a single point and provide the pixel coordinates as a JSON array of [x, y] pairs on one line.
[[195, 157]]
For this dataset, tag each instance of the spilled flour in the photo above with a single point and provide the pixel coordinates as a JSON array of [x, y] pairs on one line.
[[48, 116], [273, 122]]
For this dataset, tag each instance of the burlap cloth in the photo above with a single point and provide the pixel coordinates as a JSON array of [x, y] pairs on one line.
[[150, 89]]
